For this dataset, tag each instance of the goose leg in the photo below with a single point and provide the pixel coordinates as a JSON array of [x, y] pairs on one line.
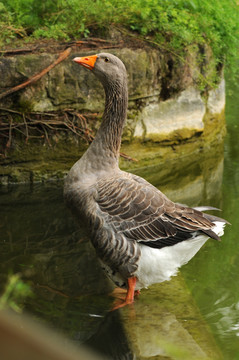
[[130, 294]]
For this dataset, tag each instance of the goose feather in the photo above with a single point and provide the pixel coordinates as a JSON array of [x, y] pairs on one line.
[[138, 233]]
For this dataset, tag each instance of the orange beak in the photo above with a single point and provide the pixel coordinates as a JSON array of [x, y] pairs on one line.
[[88, 61]]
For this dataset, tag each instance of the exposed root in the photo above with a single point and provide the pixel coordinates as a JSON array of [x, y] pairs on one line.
[[42, 125]]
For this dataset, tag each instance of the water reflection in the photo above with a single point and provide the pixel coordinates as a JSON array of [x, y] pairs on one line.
[[111, 339], [213, 274], [167, 323], [40, 240], [163, 323]]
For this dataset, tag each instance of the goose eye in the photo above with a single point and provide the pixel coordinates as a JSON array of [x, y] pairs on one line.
[[106, 59]]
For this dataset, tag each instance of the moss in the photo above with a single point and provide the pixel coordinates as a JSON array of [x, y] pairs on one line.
[[38, 161], [214, 127], [24, 106], [174, 137], [53, 155], [169, 319], [153, 153]]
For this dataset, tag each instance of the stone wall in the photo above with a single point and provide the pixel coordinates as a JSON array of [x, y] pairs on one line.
[[166, 106]]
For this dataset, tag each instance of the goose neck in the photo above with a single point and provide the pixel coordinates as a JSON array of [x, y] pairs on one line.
[[110, 132]]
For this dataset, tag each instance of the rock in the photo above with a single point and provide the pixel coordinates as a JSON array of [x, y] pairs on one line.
[[165, 108], [216, 99], [159, 120]]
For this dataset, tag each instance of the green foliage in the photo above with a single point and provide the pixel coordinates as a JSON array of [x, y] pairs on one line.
[[173, 24], [15, 291]]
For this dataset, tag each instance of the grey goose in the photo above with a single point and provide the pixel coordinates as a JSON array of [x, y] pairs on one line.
[[140, 236]]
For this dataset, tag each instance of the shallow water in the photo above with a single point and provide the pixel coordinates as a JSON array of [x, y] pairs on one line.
[[196, 314], [212, 275]]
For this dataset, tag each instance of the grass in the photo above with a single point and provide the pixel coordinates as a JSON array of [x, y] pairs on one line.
[[172, 24]]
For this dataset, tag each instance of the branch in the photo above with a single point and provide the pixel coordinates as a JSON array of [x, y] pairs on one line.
[[17, 51], [127, 157], [36, 77]]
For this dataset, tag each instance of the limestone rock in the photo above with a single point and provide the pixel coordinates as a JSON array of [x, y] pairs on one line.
[[216, 99], [186, 111]]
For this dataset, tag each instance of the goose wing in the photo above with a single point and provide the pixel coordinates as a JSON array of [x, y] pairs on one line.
[[134, 207]]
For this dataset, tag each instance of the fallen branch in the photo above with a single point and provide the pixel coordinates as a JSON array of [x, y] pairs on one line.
[[36, 77], [90, 41], [17, 51]]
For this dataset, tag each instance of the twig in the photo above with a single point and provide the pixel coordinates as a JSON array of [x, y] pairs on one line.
[[90, 41], [11, 111], [36, 77], [46, 135], [92, 115], [127, 157], [27, 135], [100, 40], [10, 134], [58, 292], [17, 51], [73, 122], [87, 131], [20, 131]]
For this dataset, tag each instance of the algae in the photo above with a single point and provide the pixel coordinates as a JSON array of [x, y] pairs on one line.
[[166, 323]]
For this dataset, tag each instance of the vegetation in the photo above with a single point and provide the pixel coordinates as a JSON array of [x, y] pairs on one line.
[[173, 24], [14, 294]]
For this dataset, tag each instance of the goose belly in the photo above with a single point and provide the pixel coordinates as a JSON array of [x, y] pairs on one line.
[[158, 265]]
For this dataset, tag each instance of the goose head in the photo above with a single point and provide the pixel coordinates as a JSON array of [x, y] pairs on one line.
[[109, 69]]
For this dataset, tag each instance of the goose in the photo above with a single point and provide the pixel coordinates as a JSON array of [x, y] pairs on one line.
[[140, 236]]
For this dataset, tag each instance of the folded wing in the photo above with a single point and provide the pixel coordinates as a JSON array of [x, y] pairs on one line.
[[138, 210]]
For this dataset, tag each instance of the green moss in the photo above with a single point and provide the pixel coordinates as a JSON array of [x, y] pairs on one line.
[[214, 127], [38, 161], [24, 106], [169, 319], [151, 154], [174, 137]]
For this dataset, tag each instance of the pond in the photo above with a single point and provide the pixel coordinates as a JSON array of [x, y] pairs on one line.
[[193, 316]]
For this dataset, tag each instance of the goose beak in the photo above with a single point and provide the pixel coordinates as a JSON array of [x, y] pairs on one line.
[[88, 61]]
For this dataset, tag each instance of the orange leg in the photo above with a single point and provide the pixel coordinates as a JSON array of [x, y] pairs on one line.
[[130, 293]]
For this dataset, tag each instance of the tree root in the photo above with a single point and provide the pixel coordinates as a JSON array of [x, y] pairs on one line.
[[42, 125]]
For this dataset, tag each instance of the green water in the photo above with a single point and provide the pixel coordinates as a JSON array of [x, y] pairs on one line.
[[197, 311], [213, 275]]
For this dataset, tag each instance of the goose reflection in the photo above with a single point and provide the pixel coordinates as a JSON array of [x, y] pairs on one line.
[[165, 323]]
